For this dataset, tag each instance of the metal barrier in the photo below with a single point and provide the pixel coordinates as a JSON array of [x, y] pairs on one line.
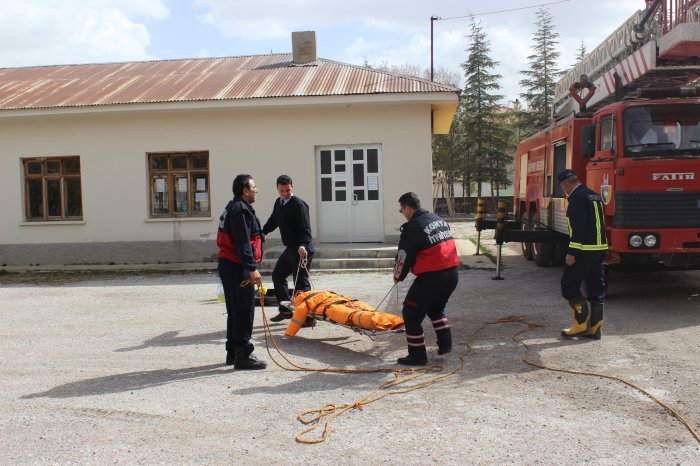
[[510, 231]]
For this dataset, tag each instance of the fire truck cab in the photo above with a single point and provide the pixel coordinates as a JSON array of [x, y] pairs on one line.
[[643, 158]]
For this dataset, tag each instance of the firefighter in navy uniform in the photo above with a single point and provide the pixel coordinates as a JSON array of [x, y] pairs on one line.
[[240, 251], [427, 249], [584, 260]]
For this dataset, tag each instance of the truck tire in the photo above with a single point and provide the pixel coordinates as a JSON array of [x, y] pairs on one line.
[[559, 254], [526, 247], [542, 253]]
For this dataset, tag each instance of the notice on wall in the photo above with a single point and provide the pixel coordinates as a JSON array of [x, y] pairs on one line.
[[372, 183], [201, 184], [160, 185], [201, 197], [182, 185]]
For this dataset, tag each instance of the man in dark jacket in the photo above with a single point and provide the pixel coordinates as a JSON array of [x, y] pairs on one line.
[[584, 260], [240, 251], [291, 215], [427, 249]]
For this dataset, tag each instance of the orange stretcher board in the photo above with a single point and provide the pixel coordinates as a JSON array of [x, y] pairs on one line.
[[341, 310]]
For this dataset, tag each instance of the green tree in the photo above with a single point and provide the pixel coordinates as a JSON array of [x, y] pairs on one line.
[[540, 79], [486, 139], [441, 74], [581, 53], [446, 157]]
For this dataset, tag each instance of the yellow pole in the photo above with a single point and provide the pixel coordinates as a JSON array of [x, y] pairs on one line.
[[479, 218], [500, 225]]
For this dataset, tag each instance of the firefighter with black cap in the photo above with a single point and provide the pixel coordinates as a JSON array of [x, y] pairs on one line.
[[584, 258], [427, 249]]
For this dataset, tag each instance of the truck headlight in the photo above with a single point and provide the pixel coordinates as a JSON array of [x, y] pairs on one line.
[[650, 241], [635, 241]]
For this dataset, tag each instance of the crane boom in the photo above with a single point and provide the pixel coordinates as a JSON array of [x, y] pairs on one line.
[[659, 46]]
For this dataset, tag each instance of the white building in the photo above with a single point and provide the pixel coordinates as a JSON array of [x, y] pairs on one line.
[[133, 162]]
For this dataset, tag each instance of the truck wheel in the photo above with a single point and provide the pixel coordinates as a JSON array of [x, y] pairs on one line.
[[526, 247], [542, 253], [559, 253]]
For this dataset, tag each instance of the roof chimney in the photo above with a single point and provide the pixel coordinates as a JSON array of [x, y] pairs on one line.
[[303, 47]]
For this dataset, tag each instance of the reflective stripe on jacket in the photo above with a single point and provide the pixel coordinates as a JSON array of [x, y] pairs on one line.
[[585, 216]]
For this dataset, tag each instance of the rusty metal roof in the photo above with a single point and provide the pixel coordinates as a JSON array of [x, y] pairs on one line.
[[187, 80]]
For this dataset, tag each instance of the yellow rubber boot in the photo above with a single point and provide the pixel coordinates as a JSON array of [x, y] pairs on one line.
[[582, 318], [596, 321]]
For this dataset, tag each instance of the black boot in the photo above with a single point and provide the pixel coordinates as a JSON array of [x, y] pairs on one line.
[[416, 357], [443, 333], [594, 332], [244, 360], [231, 354]]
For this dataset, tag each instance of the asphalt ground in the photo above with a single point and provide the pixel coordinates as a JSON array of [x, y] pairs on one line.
[[129, 369]]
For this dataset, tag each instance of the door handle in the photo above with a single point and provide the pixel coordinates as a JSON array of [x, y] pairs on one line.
[[354, 199]]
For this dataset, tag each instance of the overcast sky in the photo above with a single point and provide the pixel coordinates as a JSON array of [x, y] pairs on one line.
[[47, 32]]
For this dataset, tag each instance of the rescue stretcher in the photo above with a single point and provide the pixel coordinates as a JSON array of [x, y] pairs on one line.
[[341, 310]]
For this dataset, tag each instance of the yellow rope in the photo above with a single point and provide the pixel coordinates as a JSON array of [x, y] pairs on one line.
[[323, 416], [326, 414]]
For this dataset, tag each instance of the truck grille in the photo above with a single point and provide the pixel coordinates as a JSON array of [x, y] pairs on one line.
[[657, 210]]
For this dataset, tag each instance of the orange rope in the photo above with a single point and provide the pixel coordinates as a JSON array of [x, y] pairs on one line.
[[323, 416]]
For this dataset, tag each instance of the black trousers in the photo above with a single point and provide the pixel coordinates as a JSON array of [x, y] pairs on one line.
[[287, 265], [428, 295], [240, 305], [588, 268]]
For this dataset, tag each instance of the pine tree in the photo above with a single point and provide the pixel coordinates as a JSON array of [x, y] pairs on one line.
[[486, 138], [543, 74], [446, 157], [581, 53]]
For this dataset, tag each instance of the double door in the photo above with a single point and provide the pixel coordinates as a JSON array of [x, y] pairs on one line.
[[349, 183]]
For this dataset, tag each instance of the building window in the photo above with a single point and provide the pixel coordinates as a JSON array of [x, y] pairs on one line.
[[179, 184], [52, 189]]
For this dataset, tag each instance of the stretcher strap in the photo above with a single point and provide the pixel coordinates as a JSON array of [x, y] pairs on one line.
[[311, 295], [359, 318], [306, 299], [340, 301]]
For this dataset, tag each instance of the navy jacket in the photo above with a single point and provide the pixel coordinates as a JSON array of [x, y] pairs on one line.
[[293, 221], [586, 218], [239, 237], [426, 245]]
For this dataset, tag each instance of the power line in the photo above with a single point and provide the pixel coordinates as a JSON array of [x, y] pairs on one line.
[[437, 18]]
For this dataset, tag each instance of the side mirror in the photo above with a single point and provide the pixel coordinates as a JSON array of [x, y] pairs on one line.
[[587, 141]]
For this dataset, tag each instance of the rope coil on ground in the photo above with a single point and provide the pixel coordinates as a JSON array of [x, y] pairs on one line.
[[324, 416], [327, 413]]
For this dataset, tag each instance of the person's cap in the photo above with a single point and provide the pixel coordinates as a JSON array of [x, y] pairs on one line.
[[565, 175]]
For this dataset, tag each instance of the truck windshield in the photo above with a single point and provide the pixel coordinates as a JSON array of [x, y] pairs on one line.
[[669, 131]]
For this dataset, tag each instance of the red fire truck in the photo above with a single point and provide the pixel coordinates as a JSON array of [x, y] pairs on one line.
[[627, 121]]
